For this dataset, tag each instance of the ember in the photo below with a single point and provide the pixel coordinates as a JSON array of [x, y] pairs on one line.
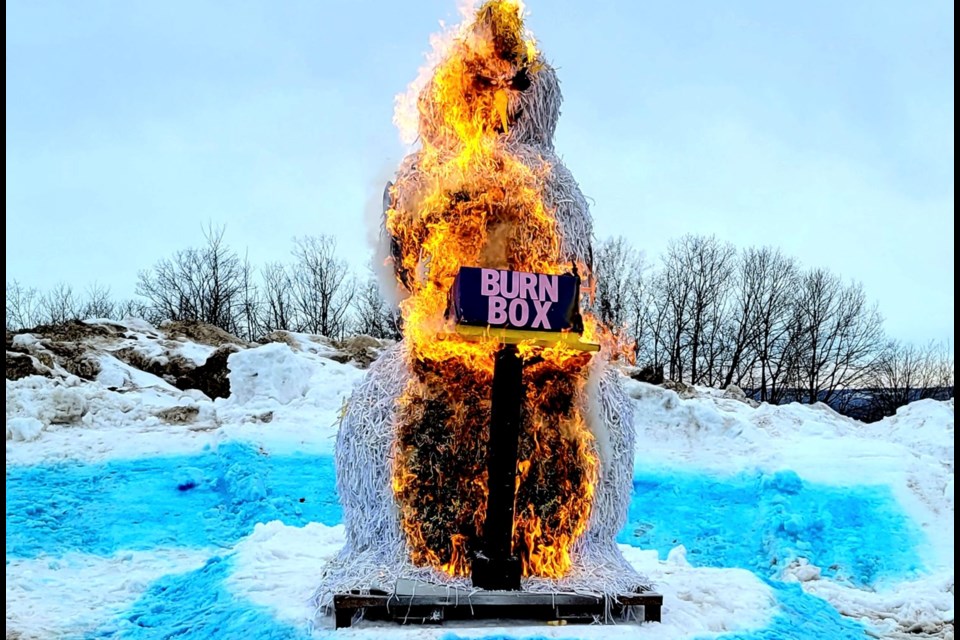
[[485, 191]]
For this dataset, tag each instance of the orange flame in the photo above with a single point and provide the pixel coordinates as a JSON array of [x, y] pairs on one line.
[[466, 200]]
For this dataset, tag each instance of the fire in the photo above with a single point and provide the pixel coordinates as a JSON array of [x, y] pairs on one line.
[[467, 199]]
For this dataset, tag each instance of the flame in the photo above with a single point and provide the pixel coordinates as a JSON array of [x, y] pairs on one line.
[[557, 451], [464, 199], [615, 343]]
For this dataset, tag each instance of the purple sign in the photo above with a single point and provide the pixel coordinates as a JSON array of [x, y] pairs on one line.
[[516, 300]]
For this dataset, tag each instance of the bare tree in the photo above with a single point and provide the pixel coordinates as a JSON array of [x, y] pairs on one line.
[[738, 328], [840, 336], [654, 350], [97, 303], [622, 298], [59, 305], [673, 289], [897, 378], [137, 310], [322, 286], [204, 284], [374, 317], [711, 267], [906, 373], [220, 293], [279, 311], [249, 316], [775, 279], [23, 306], [694, 287], [622, 294], [940, 366], [611, 264]]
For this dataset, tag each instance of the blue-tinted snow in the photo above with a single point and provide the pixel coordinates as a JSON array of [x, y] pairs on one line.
[[196, 605], [210, 499], [760, 521], [216, 497]]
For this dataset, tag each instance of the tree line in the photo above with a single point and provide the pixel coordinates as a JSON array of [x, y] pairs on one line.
[[313, 292], [708, 314], [705, 313]]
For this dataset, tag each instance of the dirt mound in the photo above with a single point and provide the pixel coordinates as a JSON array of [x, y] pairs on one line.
[[361, 349], [169, 367], [74, 331], [21, 365], [280, 336], [199, 332], [179, 415], [648, 373], [733, 392], [56, 348], [682, 389], [75, 358], [170, 352]]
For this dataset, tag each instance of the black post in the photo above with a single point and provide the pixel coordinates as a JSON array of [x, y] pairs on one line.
[[495, 567]]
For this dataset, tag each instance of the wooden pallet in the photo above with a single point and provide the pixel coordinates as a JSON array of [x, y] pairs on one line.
[[426, 604]]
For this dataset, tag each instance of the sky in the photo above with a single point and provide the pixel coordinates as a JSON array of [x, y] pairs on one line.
[[822, 128]]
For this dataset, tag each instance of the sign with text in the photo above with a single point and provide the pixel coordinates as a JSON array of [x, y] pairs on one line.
[[515, 299]]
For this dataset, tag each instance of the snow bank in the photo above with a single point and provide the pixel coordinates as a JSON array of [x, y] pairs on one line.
[[909, 456], [910, 609], [925, 426], [269, 375], [858, 518], [24, 429], [87, 420], [277, 567], [289, 398]]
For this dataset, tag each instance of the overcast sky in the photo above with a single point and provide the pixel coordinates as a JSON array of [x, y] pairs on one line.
[[824, 128]]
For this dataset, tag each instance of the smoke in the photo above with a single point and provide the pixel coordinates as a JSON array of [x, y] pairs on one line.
[[405, 114], [594, 411], [377, 237]]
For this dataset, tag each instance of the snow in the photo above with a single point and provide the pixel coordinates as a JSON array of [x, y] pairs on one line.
[[291, 399], [911, 453], [24, 429], [289, 375], [23, 340], [93, 421], [277, 564], [72, 594], [116, 374], [277, 567], [195, 353], [135, 509]]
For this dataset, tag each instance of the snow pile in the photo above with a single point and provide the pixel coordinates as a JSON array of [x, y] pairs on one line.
[[24, 429], [75, 348], [295, 388], [274, 382], [920, 425], [136, 509]]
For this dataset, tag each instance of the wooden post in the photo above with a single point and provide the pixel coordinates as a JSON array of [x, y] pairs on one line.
[[495, 567]]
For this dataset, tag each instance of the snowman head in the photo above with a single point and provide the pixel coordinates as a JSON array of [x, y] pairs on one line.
[[493, 83]]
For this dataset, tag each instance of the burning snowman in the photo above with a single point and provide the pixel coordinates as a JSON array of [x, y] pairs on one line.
[[492, 448]]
